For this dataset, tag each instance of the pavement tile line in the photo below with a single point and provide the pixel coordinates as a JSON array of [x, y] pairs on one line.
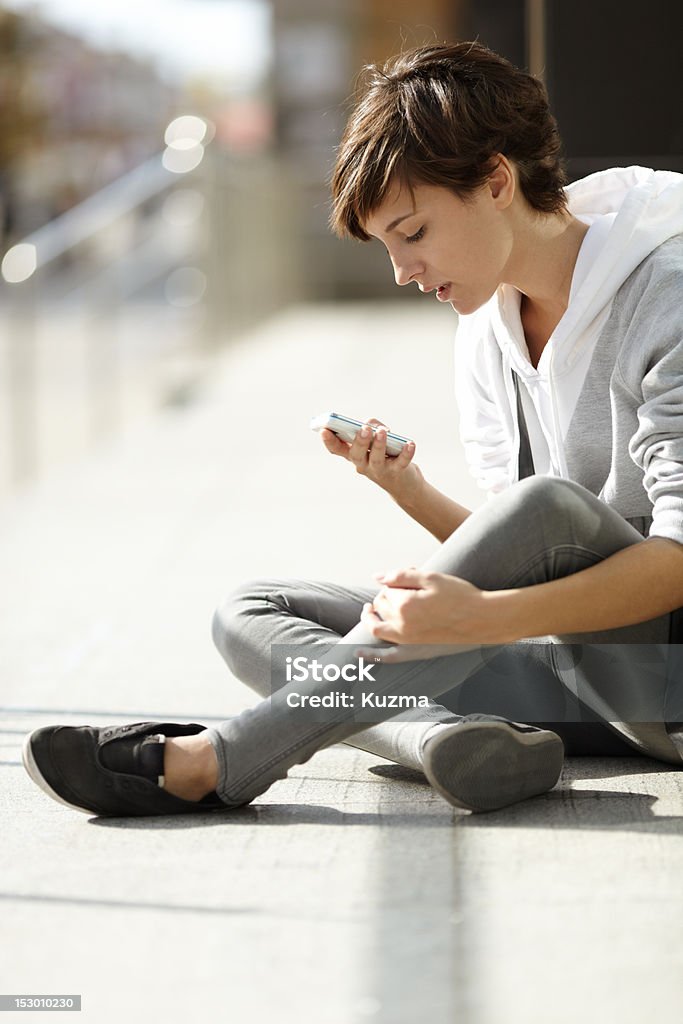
[[159, 716], [82, 901]]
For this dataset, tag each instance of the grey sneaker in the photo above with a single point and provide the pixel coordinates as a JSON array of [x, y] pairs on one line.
[[484, 762]]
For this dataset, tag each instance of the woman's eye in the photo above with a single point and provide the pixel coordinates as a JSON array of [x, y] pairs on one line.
[[417, 236]]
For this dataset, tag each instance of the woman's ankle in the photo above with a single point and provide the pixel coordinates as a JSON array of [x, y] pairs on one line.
[[190, 766]]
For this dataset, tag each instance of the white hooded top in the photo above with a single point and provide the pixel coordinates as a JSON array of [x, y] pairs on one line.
[[596, 394]]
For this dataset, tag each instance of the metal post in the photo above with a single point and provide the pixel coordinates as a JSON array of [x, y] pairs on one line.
[[536, 37], [104, 360], [22, 379]]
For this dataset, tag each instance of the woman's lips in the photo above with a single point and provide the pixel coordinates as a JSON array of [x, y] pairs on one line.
[[443, 292]]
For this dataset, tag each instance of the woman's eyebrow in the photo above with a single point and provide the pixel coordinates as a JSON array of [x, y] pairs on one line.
[[398, 220]]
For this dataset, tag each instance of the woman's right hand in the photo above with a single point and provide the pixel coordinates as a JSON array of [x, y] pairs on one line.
[[398, 475]]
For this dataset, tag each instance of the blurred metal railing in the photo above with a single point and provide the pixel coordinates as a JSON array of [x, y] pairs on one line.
[[94, 214], [134, 246]]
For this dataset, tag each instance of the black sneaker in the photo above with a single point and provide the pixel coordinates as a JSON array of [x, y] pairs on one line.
[[115, 771], [484, 762]]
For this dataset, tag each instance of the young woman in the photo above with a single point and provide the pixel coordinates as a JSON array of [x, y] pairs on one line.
[[556, 603]]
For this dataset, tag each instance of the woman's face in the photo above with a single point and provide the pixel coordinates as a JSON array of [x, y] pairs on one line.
[[460, 250]]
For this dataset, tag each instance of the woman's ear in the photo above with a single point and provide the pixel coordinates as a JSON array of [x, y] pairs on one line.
[[501, 181]]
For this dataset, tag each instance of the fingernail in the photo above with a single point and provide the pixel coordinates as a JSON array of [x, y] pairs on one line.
[[365, 431]]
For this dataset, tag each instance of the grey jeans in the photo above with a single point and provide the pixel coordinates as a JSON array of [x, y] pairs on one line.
[[538, 530]]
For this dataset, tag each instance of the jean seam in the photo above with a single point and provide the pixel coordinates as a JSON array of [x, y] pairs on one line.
[[575, 549], [234, 795], [216, 742]]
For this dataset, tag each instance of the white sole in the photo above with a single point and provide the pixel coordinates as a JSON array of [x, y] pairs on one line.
[[37, 776], [484, 766]]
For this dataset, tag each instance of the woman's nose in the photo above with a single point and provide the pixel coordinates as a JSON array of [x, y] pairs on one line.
[[404, 272]]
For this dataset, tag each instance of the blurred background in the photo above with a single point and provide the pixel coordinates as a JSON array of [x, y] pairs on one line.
[[164, 166]]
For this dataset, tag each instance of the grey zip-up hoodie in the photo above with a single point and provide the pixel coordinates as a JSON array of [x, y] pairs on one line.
[[609, 386]]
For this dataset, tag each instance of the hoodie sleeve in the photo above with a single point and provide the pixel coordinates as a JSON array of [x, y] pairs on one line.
[[485, 438], [657, 445]]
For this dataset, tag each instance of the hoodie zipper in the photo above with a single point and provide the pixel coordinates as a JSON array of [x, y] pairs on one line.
[[559, 445]]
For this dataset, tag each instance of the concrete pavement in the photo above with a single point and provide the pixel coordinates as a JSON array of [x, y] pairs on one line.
[[349, 892]]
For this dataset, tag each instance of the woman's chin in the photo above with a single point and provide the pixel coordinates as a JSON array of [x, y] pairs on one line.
[[464, 305]]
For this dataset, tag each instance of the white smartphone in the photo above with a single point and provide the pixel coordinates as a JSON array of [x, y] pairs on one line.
[[346, 428]]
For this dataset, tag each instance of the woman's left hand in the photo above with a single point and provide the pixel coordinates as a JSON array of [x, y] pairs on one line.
[[416, 607]]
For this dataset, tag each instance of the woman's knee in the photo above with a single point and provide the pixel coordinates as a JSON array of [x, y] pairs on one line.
[[554, 512], [539, 529], [233, 612], [553, 498], [538, 508], [565, 513]]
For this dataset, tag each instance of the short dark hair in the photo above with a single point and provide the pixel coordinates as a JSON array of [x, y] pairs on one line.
[[436, 115]]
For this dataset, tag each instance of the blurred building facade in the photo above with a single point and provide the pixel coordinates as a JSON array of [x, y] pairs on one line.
[[72, 119], [104, 332]]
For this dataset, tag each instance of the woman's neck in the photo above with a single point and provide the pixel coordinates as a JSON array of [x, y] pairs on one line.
[[542, 263]]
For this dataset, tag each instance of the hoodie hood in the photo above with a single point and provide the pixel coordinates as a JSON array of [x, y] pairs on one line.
[[631, 210], [648, 210]]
